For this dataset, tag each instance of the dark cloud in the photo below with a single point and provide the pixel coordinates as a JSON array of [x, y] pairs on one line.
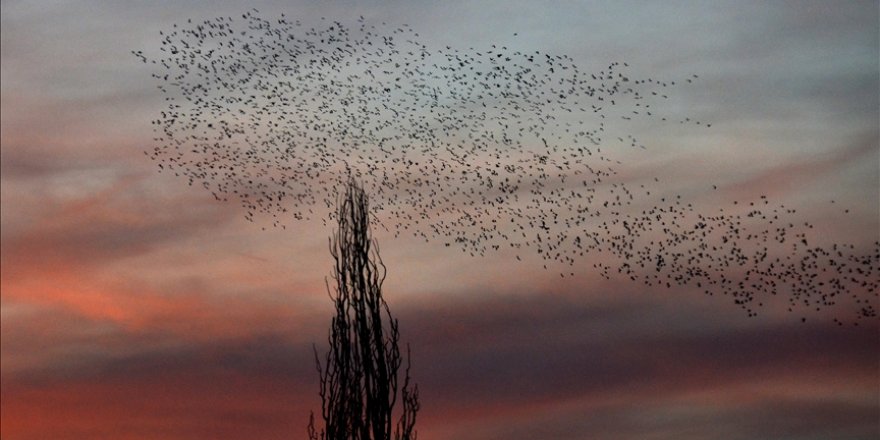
[[235, 389], [545, 349], [101, 340], [549, 367], [261, 356], [777, 418]]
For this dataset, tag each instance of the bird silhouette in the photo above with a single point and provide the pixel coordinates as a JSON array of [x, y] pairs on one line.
[[481, 149]]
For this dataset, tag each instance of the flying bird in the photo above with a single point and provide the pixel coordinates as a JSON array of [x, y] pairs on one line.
[[487, 150]]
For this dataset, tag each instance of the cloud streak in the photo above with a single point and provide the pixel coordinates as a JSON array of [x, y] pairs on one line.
[[135, 307], [512, 373]]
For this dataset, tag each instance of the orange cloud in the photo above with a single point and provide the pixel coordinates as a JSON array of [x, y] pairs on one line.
[[88, 256]]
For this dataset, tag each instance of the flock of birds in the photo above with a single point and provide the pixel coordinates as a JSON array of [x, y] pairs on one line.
[[491, 149]]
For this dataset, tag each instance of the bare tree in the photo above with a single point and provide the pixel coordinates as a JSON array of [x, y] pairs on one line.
[[360, 376]]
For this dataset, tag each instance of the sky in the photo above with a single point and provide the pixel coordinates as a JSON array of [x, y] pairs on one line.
[[136, 307]]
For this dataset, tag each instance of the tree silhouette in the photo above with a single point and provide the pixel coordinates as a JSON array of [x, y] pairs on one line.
[[360, 376]]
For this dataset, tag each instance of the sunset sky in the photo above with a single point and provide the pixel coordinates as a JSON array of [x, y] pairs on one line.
[[137, 307]]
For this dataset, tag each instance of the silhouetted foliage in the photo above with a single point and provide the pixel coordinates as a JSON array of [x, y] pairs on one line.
[[360, 374]]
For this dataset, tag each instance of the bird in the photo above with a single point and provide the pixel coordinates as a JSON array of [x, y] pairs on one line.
[[487, 150]]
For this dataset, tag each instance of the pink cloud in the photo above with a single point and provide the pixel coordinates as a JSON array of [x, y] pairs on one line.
[[794, 176]]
